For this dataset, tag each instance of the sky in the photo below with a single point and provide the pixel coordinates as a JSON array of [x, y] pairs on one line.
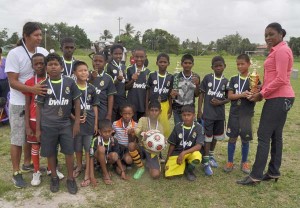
[[208, 20]]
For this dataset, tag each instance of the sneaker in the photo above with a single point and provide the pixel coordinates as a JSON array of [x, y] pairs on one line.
[[72, 186], [213, 163], [190, 175], [245, 167], [59, 174], [138, 174], [18, 180], [207, 170], [36, 178], [228, 167], [54, 184], [27, 168]]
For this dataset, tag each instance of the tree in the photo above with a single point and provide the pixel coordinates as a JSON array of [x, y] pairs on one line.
[[294, 44], [160, 40], [234, 44], [3, 36], [14, 38], [129, 30], [106, 35]]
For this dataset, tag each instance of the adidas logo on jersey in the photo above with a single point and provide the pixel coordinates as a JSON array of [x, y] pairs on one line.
[[217, 94], [139, 86], [56, 102]]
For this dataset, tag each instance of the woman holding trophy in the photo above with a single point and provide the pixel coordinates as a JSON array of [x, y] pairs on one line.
[[279, 96]]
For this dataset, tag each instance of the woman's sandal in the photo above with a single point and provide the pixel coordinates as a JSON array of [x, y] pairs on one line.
[[85, 182], [76, 172]]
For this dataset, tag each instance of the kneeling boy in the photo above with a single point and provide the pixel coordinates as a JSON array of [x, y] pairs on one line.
[[185, 142]]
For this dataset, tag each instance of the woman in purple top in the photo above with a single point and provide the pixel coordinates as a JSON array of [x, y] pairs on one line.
[[4, 86]]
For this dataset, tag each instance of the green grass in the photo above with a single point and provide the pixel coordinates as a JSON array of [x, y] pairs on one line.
[[219, 190]]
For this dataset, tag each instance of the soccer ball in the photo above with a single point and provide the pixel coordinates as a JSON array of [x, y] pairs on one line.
[[154, 141]]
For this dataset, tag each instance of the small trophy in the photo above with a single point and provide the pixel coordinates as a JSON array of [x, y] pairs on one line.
[[254, 79], [178, 68]]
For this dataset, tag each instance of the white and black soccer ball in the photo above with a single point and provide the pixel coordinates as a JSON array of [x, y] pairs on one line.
[[154, 141]]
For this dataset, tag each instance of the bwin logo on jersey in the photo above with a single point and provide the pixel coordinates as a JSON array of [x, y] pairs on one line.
[[56, 102], [186, 143], [139, 86], [165, 90], [217, 94]]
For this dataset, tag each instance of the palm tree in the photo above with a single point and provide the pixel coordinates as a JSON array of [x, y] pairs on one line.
[[129, 30], [106, 35]]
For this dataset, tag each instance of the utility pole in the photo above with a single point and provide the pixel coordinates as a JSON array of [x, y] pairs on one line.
[[45, 38], [120, 26]]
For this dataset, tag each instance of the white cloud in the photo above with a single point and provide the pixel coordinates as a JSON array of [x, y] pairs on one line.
[[208, 20]]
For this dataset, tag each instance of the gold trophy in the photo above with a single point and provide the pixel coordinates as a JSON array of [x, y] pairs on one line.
[[254, 78]]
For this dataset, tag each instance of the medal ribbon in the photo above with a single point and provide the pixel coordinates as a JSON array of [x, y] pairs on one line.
[[215, 84], [71, 67], [136, 68], [84, 104], [26, 50], [61, 87], [183, 142], [107, 151], [241, 90], [149, 124], [162, 86]]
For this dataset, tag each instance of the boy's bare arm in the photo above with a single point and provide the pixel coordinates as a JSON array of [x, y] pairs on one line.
[[95, 109], [200, 103], [170, 151], [76, 127], [38, 123], [110, 107], [27, 115]]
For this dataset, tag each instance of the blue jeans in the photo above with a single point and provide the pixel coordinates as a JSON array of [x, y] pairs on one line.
[[273, 117]]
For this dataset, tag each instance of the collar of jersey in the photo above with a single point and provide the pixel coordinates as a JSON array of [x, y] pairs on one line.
[[136, 67], [68, 62], [162, 75], [186, 127], [243, 78], [56, 81], [81, 88]]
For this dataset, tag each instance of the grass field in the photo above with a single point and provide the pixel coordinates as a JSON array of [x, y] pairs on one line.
[[220, 190]]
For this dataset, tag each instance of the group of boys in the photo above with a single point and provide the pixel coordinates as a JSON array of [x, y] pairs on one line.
[[81, 105]]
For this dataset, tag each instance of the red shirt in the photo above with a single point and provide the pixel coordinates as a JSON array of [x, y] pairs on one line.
[[277, 72], [32, 107]]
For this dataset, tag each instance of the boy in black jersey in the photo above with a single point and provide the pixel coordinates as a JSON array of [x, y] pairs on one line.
[[213, 92], [240, 115], [136, 83], [88, 119], [53, 124], [105, 88], [185, 142], [117, 71], [68, 47]]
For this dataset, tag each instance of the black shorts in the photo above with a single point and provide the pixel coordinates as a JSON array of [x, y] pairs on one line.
[[151, 162], [240, 126], [52, 136], [122, 151], [214, 129]]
